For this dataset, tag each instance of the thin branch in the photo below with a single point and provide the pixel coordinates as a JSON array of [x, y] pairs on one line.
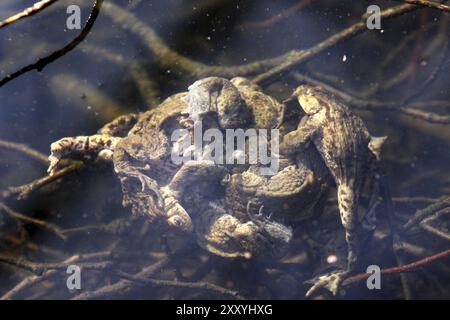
[[26, 219], [171, 59], [41, 63], [22, 192], [279, 16], [40, 268], [182, 284], [122, 286], [405, 268], [426, 3], [35, 8], [433, 75], [25, 150], [35, 279], [434, 231], [301, 56], [426, 212]]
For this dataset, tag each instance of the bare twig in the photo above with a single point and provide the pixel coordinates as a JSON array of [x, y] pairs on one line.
[[35, 8], [25, 150], [426, 3], [406, 268], [434, 231], [40, 268], [279, 16], [301, 56], [182, 284], [41, 63], [120, 287], [23, 191], [26, 219], [170, 59], [35, 279], [414, 199], [424, 213], [435, 72]]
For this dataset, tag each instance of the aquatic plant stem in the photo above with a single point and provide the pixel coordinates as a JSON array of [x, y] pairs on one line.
[[43, 62], [426, 3], [35, 8], [405, 268], [25, 150], [300, 56], [182, 284]]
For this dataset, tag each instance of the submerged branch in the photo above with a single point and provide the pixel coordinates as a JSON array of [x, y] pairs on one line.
[[36, 279], [35, 8], [405, 268], [26, 219], [427, 3], [23, 191], [25, 150], [40, 268], [43, 62], [426, 212], [182, 284], [301, 56]]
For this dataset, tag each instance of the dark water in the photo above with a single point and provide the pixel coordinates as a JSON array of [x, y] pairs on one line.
[[114, 71]]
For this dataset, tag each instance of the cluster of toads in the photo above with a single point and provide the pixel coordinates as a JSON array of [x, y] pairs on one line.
[[232, 209]]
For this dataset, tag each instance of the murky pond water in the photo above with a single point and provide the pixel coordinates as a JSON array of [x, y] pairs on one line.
[[137, 54]]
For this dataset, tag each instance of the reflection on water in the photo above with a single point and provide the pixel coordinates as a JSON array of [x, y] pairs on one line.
[[120, 68]]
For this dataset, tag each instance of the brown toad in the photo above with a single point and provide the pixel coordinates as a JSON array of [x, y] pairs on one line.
[[341, 146], [298, 184], [140, 148], [349, 152]]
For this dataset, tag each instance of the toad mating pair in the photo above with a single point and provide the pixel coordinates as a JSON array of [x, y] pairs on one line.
[[323, 143]]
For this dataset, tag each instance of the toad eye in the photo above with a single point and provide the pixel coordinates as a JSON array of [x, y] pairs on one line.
[[309, 104]]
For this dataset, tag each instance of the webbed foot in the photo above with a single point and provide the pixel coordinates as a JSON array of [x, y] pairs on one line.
[[88, 147], [330, 281], [275, 234]]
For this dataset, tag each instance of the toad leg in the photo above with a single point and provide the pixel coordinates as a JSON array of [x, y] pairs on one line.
[[96, 146], [298, 138], [223, 234], [187, 175], [120, 126], [347, 200]]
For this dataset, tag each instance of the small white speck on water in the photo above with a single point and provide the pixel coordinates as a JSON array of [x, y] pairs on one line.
[[208, 38], [344, 58]]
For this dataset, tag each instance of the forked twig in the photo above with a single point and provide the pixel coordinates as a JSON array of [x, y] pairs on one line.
[[41, 63]]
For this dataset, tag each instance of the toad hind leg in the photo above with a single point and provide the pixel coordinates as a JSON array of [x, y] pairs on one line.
[[187, 175], [348, 205], [120, 126], [97, 146]]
